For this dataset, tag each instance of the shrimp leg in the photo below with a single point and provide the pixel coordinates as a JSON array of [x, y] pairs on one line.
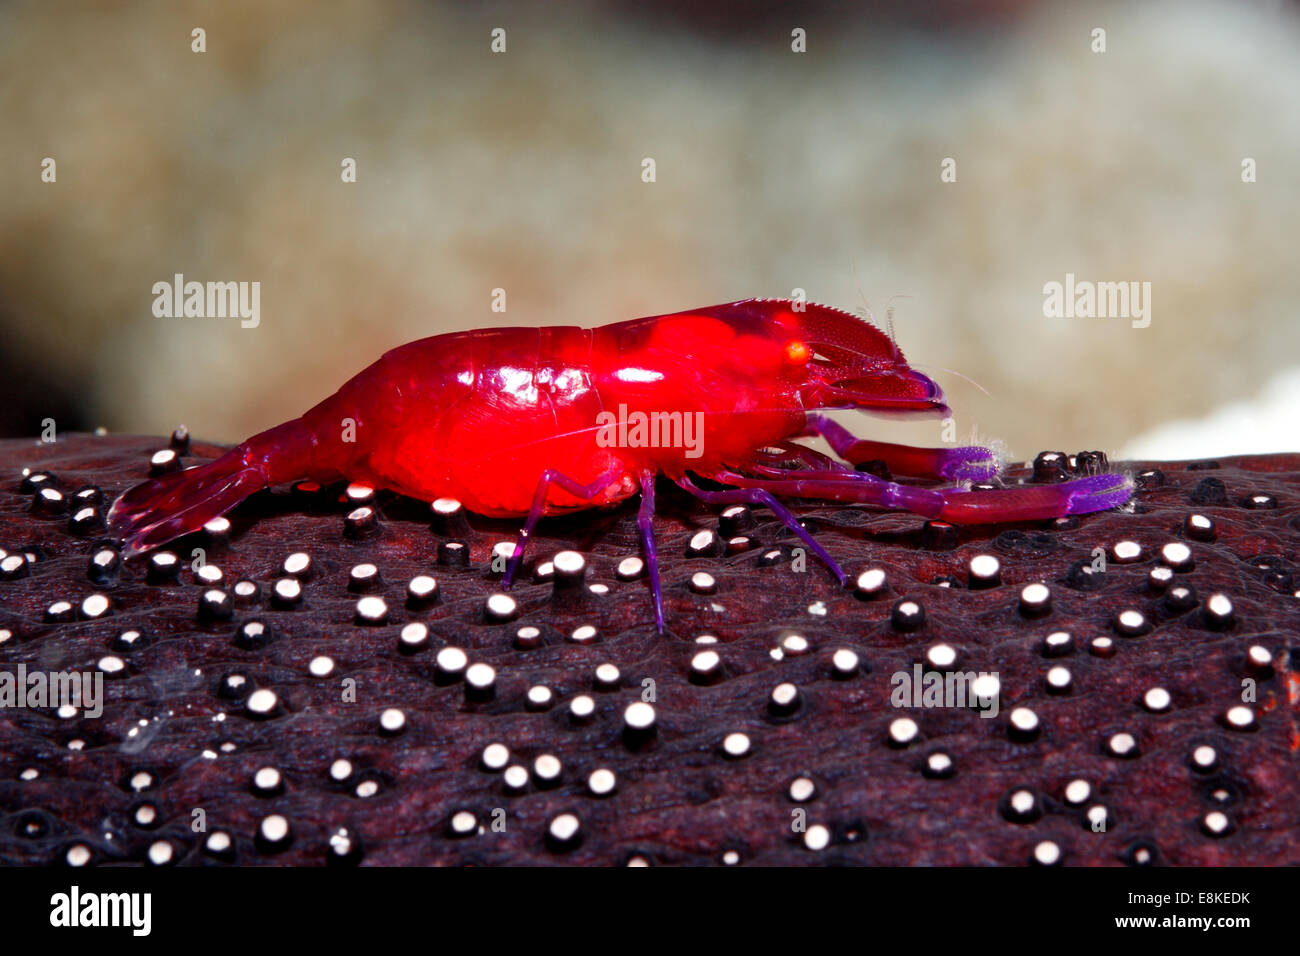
[[949, 464], [1021, 503], [756, 495], [645, 522], [552, 477]]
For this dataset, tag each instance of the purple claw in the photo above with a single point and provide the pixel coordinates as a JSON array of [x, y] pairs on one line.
[[1096, 493], [1036, 502], [974, 463]]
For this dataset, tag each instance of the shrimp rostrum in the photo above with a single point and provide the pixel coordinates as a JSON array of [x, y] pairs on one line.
[[534, 422]]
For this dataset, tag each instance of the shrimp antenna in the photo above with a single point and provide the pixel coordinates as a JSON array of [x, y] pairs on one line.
[[893, 342], [940, 368], [857, 281], [889, 316]]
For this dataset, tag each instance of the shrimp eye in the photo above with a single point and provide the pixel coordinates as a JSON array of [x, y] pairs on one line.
[[797, 353]]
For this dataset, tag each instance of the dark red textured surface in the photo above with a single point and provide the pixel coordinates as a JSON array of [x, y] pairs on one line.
[[679, 799]]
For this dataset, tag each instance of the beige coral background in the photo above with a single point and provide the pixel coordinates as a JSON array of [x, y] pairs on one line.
[[775, 170]]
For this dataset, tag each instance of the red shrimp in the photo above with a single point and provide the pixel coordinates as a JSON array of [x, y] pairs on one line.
[[536, 421]]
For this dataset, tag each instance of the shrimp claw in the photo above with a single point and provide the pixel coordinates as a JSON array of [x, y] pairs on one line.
[[972, 463], [1035, 502]]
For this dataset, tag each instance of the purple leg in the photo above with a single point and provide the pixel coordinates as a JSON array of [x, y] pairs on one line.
[[552, 477], [948, 464], [760, 496], [645, 521]]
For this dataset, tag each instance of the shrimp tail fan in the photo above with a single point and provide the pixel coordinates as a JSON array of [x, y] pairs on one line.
[[156, 511]]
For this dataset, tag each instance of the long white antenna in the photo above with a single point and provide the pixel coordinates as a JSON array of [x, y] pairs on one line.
[[857, 281], [889, 318], [889, 315]]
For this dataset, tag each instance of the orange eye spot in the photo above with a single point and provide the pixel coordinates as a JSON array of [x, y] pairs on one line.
[[797, 353]]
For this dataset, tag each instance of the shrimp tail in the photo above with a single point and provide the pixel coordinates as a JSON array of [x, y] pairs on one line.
[[156, 511]]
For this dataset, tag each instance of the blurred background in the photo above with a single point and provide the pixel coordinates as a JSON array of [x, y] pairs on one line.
[[774, 170]]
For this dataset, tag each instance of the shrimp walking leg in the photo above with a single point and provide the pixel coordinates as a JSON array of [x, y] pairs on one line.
[[760, 496], [552, 477], [949, 464], [645, 522]]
